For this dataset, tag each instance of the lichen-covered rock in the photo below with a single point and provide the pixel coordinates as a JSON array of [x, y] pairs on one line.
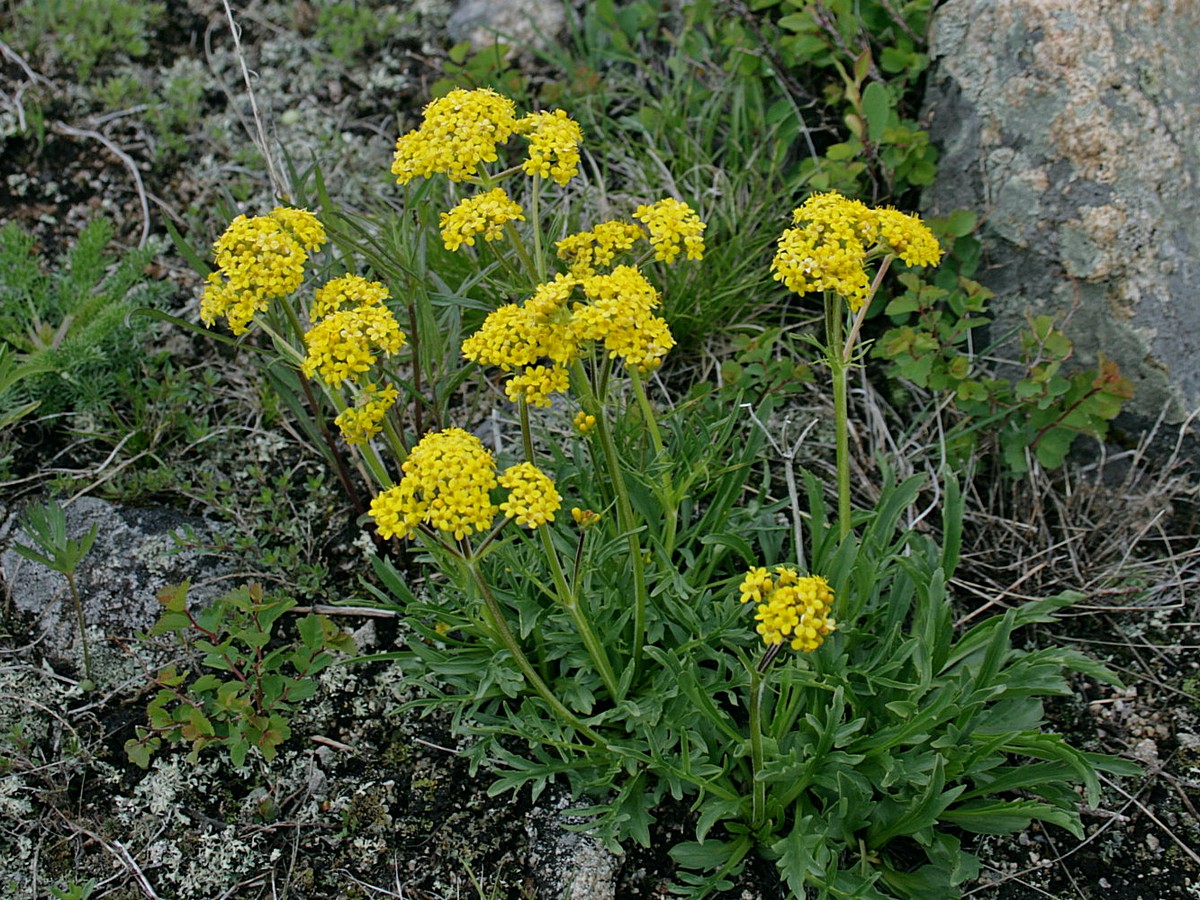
[[521, 24], [137, 552], [1074, 128]]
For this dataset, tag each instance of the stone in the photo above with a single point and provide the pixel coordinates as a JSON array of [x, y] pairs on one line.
[[569, 865], [137, 552], [521, 24], [1074, 130]]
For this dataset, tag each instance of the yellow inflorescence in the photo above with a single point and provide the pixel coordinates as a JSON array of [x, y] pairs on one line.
[[482, 214], [458, 132], [532, 497], [833, 239], [554, 140], [345, 344], [674, 226], [349, 290], [258, 258], [447, 484], [535, 384], [364, 420], [584, 422], [789, 606], [587, 251]]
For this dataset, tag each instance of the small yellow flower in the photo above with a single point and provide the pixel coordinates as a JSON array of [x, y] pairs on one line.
[[532, 497], [483, 214], [349, 290], [554, 140], [258, 258], [345, 343], [458, 133], [674, 226], [447, 484], [364, 420], [535, 384], [584, 422], [587, 251], [584, 518], [834, 238], [789, 606]]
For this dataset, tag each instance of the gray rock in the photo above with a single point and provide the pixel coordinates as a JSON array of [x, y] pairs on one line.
[[519, 23], [136, 554], [1074, 128], [569, 865]]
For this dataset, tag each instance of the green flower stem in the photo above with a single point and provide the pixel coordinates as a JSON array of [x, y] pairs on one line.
[[509, 640], [758, 809], [570, 602], [639, 391], [535, 215], [518, 243], [670, 501], [839, 368], [566, 596], [625, 517], [87, 653], [298, 358]]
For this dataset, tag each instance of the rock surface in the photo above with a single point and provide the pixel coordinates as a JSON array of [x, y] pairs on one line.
[[518, 23], [137, 553], [1074, 128]]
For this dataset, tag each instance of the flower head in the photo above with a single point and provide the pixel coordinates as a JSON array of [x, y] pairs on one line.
[[673, 226], [349, 290], [789, 605], [364, 420], [482, 214], [258, 258], [532, 496], [833, 239], [458, 133], [447, 484], [346, 343], [554, 140], [586, 251]]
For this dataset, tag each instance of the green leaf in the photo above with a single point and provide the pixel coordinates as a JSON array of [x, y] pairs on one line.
[[877, 109], [1009, 816]]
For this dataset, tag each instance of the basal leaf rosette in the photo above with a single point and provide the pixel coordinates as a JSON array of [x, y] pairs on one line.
[[258, 258], [834, 238], [447, 486], [789, 606]]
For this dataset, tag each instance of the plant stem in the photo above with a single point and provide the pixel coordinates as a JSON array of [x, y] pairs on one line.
[[839, 368], [625, 517], [509, 640], [758, 809], [87, 655]]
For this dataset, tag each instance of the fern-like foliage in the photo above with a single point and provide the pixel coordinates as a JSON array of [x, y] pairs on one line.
[[67, 323]]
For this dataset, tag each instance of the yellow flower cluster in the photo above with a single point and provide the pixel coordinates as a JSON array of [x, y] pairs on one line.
[[364, 420], [258, 258], [674, 226], [462, 130], [617, 311], [554, 140], [345, 343], [834, 238], [349, 290], [482, 214], [588, 251], [532, 497], [458, 132], [447, 485], [584, 422], [789, 605]]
